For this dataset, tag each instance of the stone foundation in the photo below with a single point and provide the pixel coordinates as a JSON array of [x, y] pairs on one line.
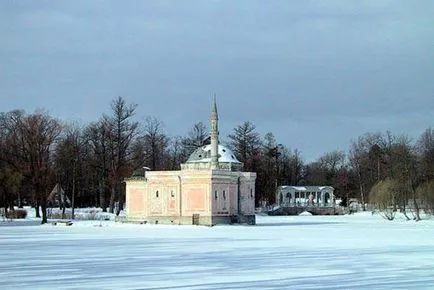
[[312, 209], [247, 219], [189, 220]]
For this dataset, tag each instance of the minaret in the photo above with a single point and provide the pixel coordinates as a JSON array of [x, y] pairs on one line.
[[214, 136]]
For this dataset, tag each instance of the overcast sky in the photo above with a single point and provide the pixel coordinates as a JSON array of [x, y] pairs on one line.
[[315, 73]]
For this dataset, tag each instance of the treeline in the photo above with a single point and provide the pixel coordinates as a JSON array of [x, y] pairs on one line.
[[90, 162], [397, 173]]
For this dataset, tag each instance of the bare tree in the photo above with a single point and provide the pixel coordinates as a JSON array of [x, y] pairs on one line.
[[402, 169], [293, 168], [12, 166], [425, 149], [197, 137], [314, 173], [138, 153], [37, 134], [10, 182], [178, 152], [246, 143], [156, 143], [368, 157], [425, 193], [123, 133], [98, 138], [271, 163], [357, 158], [68, 161]]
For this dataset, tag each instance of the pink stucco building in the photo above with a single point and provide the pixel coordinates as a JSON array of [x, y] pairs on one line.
[[209, 189]]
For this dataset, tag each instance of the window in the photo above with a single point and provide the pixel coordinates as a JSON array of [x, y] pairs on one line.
[[172, 194], [215, 194], [251, 192], [156, 194], [224, 194]]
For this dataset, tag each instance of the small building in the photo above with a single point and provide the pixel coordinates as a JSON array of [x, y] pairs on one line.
[[301, 196], [57, 197], [209, 189]]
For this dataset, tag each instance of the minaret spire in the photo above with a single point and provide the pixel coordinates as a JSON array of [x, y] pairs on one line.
[[214, 109], [214, 135]]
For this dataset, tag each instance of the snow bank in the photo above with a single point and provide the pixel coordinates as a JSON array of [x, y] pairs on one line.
[[360, 251], [91, 213]]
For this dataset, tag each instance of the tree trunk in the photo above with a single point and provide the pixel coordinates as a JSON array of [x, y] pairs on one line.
[[362, 197], [121, 205], [73, 193], [63, 210], [73, 200], [102, 203], [416, 208], [112, 199], [20, 203], [44, 214], [404, 211], [38, 215]]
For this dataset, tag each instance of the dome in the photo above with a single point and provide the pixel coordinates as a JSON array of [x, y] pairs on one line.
[[203, 154]]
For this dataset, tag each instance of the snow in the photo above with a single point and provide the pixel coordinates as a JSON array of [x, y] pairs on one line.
[[225, 155], [360, 251], [300, 188], [91, 213]]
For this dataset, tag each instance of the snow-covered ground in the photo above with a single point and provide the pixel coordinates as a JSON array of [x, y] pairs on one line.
[[304, 252]]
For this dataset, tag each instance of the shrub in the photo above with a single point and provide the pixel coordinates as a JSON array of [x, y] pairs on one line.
[[58, 215], [383, 195], [16, 214], [80, 214]]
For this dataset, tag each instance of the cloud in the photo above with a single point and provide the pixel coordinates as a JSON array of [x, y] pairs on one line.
[[315, 70]]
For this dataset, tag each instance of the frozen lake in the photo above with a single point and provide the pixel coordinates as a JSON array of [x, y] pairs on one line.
[[303, 252]]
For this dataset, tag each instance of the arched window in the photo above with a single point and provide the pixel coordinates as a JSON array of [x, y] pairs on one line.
[[326, 198]]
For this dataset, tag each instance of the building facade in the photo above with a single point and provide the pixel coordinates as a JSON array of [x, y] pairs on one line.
[[293, 196], [209, 189]]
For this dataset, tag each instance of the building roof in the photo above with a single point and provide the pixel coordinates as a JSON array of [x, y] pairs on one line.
[[203, 154], [58, 196], [308, 188]]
